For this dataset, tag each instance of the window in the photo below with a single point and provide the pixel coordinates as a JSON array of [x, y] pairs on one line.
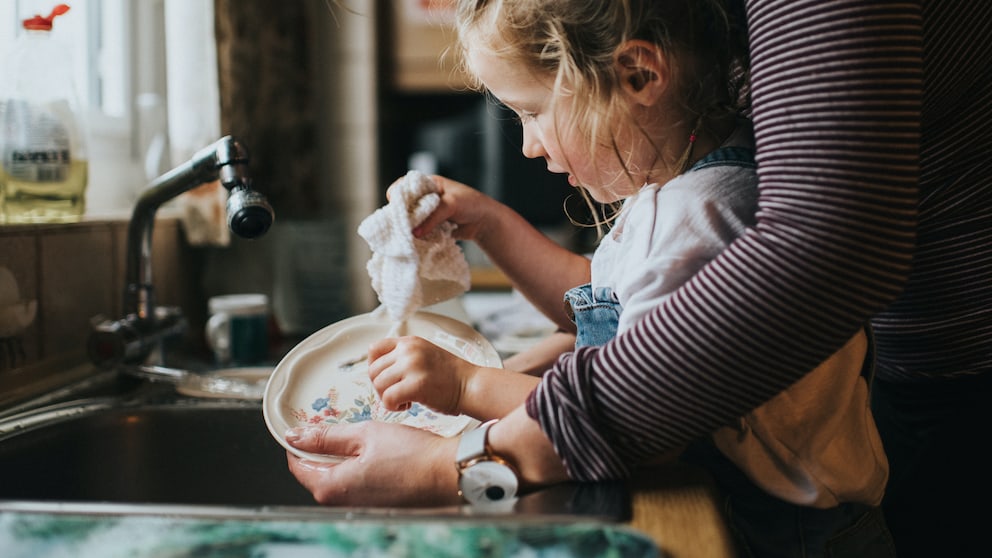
[[119, 54], [93, 32]]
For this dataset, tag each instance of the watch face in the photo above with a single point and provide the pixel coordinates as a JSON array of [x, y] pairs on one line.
[[488, 482]]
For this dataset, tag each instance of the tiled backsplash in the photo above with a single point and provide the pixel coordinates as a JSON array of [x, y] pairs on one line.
[[72, 272]]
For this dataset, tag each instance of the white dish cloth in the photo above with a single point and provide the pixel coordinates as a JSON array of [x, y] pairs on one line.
[[409, 273]]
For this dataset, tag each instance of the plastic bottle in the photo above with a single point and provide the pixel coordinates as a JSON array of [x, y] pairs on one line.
[[43, 157]]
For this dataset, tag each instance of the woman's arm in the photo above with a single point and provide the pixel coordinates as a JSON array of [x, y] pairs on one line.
[[836, 95]]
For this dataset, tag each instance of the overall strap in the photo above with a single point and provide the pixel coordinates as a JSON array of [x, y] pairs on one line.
[[727, 156]]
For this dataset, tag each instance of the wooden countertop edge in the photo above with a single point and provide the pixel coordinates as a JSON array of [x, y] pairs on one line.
[[489, 279], [675, 505]]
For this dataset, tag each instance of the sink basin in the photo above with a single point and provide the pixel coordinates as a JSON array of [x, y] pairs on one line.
[[197, 452], [150, 449]]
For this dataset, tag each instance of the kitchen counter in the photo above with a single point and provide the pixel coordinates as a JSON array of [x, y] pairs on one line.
[[674, 505]]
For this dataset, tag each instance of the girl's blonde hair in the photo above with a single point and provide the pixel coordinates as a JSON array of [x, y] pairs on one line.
[[576, 42]]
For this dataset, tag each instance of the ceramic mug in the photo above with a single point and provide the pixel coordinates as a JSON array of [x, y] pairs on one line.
[[238, 328]]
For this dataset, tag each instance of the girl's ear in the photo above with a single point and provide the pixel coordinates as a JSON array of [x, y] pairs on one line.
[[643, 71]]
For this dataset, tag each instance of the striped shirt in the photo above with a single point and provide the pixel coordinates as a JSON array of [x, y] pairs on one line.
[[873, 126]]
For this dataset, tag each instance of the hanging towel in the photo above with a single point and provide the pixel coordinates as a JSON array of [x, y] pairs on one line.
[[409, 273]]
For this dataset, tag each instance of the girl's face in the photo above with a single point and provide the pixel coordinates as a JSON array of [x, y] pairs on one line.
[[529, 95]]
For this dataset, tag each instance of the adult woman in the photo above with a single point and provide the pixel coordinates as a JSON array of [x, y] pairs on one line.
[[873, 125]]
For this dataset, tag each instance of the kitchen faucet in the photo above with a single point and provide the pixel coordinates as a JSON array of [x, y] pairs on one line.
[[131, 339]]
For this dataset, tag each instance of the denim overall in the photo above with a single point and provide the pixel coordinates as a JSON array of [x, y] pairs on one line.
[[761, 524]]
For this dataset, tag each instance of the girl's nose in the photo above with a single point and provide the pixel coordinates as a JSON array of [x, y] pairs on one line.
[[532, 147]]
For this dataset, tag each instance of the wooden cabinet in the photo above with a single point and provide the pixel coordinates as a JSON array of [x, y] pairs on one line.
[[422, 37]]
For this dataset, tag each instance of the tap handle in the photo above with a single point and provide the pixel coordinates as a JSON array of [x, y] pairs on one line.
[[131, 340]]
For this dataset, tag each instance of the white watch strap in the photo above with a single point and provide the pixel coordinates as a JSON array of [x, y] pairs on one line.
[[473, 443]]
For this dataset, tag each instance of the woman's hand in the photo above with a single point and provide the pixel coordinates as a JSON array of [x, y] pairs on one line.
[[396, 465], [385, 465], [411, 369]]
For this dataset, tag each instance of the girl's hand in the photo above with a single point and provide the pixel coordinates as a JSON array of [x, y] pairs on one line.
[[462, 205], [538, 267], [411, 369]]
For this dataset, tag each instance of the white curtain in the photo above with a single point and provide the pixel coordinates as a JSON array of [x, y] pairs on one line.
[[191, 64], [193, 101]]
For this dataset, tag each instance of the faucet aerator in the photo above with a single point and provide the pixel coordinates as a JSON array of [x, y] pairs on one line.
[[248, 214]]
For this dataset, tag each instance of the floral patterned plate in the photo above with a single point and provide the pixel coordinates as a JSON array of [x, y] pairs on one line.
[[324, 379]]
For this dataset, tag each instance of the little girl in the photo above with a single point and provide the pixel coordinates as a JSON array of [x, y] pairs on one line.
[[638, 101]]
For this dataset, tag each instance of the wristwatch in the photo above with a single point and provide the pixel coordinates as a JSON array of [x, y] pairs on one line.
[[484, 479]]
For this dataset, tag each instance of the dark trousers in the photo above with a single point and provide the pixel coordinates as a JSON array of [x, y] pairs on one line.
[[764, 526], [936, 436]]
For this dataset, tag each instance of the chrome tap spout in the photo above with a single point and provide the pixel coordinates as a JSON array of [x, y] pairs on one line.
[[132, 338]]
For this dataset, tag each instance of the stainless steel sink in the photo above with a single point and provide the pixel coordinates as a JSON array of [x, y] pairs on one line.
[[178, 452], [150, 449]]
